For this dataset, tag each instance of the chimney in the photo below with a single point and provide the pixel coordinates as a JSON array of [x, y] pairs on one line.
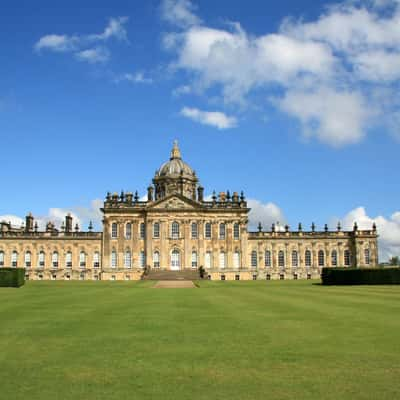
[[29, 223], [200, 193], [68, 223], [150, 193]]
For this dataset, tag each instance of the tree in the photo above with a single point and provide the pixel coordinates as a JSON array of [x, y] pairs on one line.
[[394, 260]]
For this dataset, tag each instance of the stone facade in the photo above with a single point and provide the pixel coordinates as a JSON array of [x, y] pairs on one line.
[[175, 229]]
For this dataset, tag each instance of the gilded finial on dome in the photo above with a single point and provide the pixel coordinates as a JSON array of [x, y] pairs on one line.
[[175, 152]]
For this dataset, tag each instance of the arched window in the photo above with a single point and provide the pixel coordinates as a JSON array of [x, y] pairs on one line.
[[142, 259], [96, 259], [68, 259], [367, 258], [281, 258], [194, 259], [222, 230], [54, 259], [14, 259], [175, 230], [321, 258], [156, 230], [82, 259], [114, 260], [142, 232], [207, 230], [114, 230], [254, 259], [1, 258], [128, 259], [334, 258], [236, 259], [207, 260], [347, 260], [236, 231], [267, 258], [156, 259], [295, 258], [194, 230], [28, 259], [222, 259], [128, 230], [307, 258]]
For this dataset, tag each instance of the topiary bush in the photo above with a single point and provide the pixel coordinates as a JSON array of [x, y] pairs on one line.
[[360, 276], [12, 277]]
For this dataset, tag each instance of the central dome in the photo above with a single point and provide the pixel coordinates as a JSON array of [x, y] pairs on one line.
[[175, 167], [175, 176]]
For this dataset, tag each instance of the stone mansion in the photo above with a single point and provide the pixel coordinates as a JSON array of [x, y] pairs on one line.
[[176, 229]]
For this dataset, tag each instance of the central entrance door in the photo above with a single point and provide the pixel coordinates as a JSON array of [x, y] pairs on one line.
[[175, 260]]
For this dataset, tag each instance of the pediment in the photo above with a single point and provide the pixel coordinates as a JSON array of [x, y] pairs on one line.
[[174, 202]]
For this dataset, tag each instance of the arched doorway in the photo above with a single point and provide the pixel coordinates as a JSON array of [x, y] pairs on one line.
[[175, 260]]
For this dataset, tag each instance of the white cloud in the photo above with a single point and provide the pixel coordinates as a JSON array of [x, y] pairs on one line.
[[266, 213], [335, 117], [138, 77], [114, 29], [58, 43], [81, 215], [85, 47], [213, 118], [335, 64], [388, 230], [93, 56], [179, 13], [378, 65]]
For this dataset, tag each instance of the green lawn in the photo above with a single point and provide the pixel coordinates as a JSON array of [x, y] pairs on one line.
[[225, 340]]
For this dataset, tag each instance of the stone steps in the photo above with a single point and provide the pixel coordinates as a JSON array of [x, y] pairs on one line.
[[183, 275]]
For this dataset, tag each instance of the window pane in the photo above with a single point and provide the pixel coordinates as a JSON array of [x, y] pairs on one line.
[[175, 230], [222, 231], [194, 230], [114, 230], [207, 230], [267, 258], [294, 259], [254, 259], [128, 230], [281, 259], [156, 230], [236, 231]]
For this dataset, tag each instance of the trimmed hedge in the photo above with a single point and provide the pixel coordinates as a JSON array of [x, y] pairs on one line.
[[12, 277], [360, 276]]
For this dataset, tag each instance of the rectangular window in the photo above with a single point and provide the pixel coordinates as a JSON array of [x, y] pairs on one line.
[[236, 231], [254, 277], [14, 259], [68, 260], [267, 258], [156, 230], [128, 231], [114, 230], [1, 259], [175, 230], [222, 231], [367, 256], [194, 230], [237, 277], [82, 259], [207, 230]]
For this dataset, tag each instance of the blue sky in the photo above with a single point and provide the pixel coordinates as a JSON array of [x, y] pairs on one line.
[[296, 103]]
